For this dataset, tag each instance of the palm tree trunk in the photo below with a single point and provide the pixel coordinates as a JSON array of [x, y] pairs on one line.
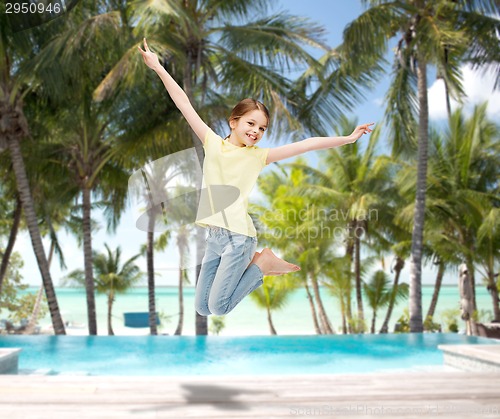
[[416, 324], [87, 255], [36, 239], [111, 298], [270, 321], [472, 280], [12, 240], [343, 315], [493, 290], [317, 329], [357, 271], [325, 323], [201, 322], [437, 289], [151, 279], [183, 245], [178, 330], [400, 263], [374, 319], [472, 276], [350, 256], [180, 323]]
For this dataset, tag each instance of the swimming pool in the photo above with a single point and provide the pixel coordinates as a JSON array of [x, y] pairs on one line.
[[255, 355]]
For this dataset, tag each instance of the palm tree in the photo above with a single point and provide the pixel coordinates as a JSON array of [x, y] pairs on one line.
[[88, 137], [49, 229], [442, 33], [462, 190], [112, 276], [165, 189], [379, 292], [442, 252], [339, 283], [153, 330], [489, 255], [89, 157], [461, 187], [16, 83], [312, 261], [359, 185], [288, 223], [356, 185], [398, 235], [182, 241], [273, 295], [398, 267], [183, 246]]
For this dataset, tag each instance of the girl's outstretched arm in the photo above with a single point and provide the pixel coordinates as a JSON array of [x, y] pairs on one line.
[[176, 93], [315, 143]]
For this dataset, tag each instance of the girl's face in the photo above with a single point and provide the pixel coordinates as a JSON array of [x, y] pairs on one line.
[[249, 129]]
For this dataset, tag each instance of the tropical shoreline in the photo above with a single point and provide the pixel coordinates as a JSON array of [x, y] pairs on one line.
[[246, 318]]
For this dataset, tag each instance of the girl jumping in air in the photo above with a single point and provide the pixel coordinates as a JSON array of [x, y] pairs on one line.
[[231, 268]]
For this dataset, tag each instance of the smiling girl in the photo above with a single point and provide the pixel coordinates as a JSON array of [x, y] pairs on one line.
[[231, 268]]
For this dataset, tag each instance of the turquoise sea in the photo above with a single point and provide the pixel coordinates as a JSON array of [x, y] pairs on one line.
[[246, 319]]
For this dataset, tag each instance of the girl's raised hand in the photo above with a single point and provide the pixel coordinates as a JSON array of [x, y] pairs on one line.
[[359, 131], [150, 58]]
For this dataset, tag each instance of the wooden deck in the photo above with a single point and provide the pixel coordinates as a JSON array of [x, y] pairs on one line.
[[410, 395]]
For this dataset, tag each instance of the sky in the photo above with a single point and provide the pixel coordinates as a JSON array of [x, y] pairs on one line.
[[334, 15]]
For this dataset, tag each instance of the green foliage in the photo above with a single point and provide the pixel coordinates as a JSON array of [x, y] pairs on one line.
[[25, 306], [18, 308], [274, 292], [12, 284], [378, 290], [403, 323], [484, 316], [164, 319], [217, 323], [111, 276], [450, 319], [357, 325], [430, 326]]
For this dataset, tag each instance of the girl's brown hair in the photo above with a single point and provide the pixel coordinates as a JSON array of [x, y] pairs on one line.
[[245, 106]]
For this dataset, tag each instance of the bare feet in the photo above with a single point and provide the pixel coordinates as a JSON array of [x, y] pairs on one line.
[[270, 264]]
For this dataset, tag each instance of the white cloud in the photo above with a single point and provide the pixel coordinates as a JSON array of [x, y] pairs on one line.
[[478, 87], [379, 101]]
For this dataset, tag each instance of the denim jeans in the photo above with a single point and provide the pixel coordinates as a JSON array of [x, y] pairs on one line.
[[225, 277]]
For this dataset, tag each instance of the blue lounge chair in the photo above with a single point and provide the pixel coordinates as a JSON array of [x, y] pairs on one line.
[[138, 319]]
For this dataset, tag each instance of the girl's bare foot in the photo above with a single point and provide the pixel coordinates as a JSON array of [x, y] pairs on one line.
[[270, 264]]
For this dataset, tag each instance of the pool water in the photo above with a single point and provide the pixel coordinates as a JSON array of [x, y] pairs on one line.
[[210, 355]]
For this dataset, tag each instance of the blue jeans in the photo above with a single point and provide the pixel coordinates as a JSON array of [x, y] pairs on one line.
[[225, 277]]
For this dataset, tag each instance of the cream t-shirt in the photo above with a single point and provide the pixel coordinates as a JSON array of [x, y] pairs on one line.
[[229, 175]]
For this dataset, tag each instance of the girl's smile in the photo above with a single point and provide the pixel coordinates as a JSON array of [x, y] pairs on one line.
[[249, 129]]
